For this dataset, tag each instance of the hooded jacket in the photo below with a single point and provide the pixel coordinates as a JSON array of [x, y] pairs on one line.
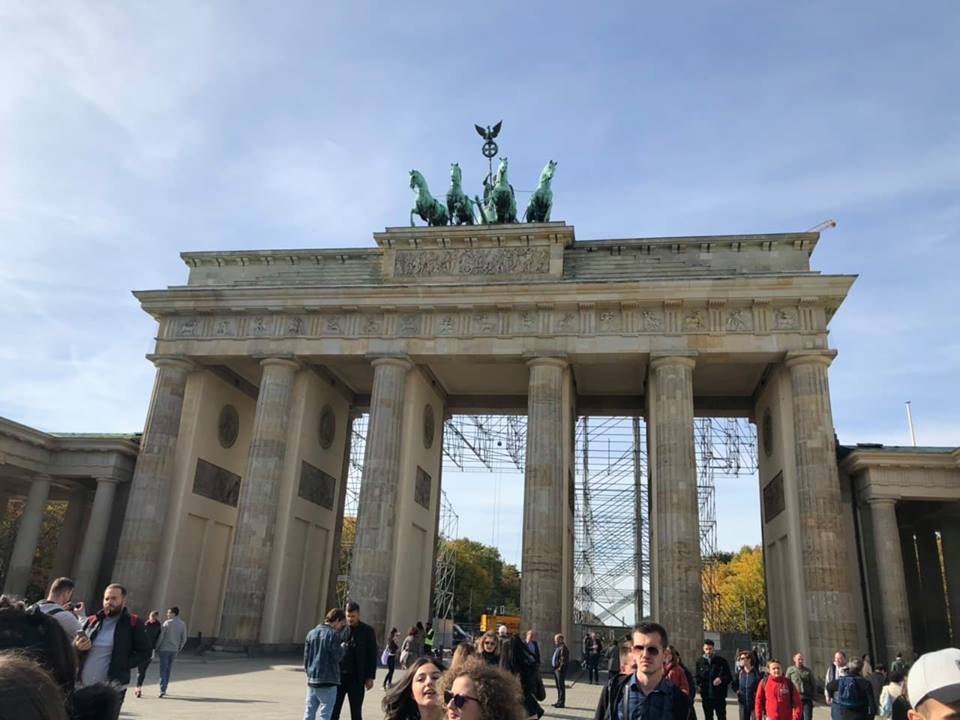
[[131, 646]]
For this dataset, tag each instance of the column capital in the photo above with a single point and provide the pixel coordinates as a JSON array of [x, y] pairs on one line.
[[401, 361], [106, 479], [40, 477], [686, 359], [557, 361], [875, 501], [287, 361], [809, 357], [174, 362]]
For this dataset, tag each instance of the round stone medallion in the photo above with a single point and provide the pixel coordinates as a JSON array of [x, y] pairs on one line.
[[328, 427], [767, 433], [228, 426], [429, 427]]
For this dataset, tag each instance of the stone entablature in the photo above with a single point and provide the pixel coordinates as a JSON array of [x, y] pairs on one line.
[[903, 473], [503, 254]]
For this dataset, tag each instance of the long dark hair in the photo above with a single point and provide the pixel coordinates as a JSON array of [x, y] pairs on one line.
[[515, 657], [39, 637], [398, 703]]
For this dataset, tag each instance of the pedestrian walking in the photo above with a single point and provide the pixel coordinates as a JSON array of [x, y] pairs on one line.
[[934, 685], [745, 683], [899, 664], [418, 696], [478, 691], [408, 650], [390, 654], [674, 671], [112, 642], [173, 636], [777, 698], [889, 695], [644, 694], [835, 670], [851, 694], [532, 645], [516, 659], [358, 668], [152, 628], [713, 679], [594, 653], [428, 636], [560, 661], [802, 678], [323, 650]]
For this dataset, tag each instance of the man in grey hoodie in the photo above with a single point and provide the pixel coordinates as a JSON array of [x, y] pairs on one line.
[[173, 636], [322, 652]]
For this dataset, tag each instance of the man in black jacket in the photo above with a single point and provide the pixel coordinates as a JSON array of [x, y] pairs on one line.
[[645, 694], [358, 668], [112, 642], [713, 679]]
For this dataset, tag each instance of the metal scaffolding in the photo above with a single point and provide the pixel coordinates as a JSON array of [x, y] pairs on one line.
[[611, 558]]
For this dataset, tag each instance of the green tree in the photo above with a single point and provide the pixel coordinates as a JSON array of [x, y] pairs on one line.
[[483, 581], [735, 593]]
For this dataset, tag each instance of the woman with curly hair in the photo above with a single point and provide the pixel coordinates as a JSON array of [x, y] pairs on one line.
[[478, 691], [417, 695], [464, 652]]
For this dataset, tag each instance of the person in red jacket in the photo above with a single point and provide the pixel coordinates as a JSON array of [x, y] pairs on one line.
[[777, 696]]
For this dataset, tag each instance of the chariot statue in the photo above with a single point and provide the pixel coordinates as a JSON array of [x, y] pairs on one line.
[[431, 211], [541, 202]]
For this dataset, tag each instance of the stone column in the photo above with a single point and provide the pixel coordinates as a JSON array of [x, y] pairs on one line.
[[373, 547], [257, 514], [933, 601], [908, 551], [891, 581], [950, 537], [152, 485], [332, 599], [828, 588], [674, 481], [91, 550], [541, 588], [70, 535], [28, 534]]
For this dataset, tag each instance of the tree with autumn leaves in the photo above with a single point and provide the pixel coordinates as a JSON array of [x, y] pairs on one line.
[[734, 593]]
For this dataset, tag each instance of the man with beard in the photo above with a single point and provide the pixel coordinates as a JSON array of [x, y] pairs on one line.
[[111, 643]]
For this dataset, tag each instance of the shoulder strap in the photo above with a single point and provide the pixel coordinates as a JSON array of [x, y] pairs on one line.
[[134, 619]]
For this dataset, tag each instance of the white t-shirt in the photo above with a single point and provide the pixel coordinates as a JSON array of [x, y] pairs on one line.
[[96, 667], [68, 621]]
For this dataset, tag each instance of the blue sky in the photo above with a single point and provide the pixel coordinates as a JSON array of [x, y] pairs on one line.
[[131, 132]]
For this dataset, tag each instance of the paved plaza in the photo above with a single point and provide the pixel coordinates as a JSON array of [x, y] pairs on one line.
[[270, 688]]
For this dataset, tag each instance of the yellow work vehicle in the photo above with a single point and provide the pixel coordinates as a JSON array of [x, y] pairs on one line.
[[492, 622]]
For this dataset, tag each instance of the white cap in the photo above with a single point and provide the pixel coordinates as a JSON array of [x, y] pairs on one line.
[[936, 675]]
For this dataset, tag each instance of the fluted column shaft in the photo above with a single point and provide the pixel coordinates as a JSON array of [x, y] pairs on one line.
[[152, 485], [828, 598], [373, 549], [70, 535], [28, 534], [541, 590], [91, 550], [674, 481], [894, 604], [950, 537], [257, 506]]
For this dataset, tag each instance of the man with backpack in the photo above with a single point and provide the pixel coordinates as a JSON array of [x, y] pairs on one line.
[[852, 694], [112, 642], [802, 678], [59, 606]]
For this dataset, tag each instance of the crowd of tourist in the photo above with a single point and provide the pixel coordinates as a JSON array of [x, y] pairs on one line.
[[59, 663], [56, 661]]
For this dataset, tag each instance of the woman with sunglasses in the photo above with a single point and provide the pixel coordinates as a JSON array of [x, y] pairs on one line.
[[478, 691], [745, 684], [488, 647], [417, 696]]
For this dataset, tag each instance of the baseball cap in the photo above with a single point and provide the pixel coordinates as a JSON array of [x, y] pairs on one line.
[[935, 675]]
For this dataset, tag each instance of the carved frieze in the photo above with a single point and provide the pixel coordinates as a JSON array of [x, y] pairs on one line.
[[509, 261], [651, 321], [786, 318]]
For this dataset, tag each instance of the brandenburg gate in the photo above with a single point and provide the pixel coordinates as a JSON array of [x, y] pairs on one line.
[[264, 357]]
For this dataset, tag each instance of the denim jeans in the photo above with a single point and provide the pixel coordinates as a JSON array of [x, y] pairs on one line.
[[166, 663], [322, 699]]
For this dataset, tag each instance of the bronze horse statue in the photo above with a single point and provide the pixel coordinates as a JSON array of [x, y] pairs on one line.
[[431, 211], [541, 202], [459, 206]]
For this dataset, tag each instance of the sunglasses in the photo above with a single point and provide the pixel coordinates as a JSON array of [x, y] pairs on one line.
[[651, 650], [458, 700]]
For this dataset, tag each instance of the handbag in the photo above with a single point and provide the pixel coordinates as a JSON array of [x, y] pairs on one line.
[[385, 657]]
